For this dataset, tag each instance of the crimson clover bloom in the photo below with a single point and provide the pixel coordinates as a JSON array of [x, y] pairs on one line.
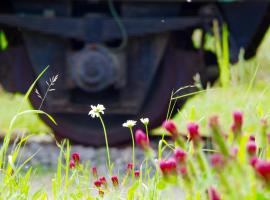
[[262, 167], [94, 172], [237, 121], [76, 157], [251, 138], [141, 139], [130, 166], [183, 170], [97, 183], [170, 126], [71, 164], [253, 161], [213, 194], [251, 147], [137, 173], [180, 155], [216, 160], [193, 130], [103, 181], [115, 181], [168, 167]]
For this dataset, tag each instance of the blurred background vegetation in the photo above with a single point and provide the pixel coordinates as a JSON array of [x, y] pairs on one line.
[[254, 101]]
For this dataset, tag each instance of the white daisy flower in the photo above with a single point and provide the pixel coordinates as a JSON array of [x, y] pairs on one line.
[[129, 123], [145, 121], [96, 110]]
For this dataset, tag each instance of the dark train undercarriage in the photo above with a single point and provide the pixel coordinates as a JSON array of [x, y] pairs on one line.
[[128, 55]]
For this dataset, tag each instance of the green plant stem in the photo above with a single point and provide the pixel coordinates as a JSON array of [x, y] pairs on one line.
[[133, 152], [107, 145], [146, 161]]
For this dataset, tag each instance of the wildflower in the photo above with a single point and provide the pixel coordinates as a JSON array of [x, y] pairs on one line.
[[251, 147], [71, 164], [115, 181], [96, 110], [129, 123], [94, 172], [262, 167], [216, 160], [97, 183], [183, 170], [103, 181], [238, 118], [251, 138], [76, 157], [237, 122], [171, 128], [213, 194], [168, 167], [141, 139], [193, 129], [130, 166], [253, 161], [145, 121], [180, 155], [136, 173]]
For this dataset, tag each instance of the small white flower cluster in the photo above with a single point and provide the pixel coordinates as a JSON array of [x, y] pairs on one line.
[[129, 123], [99, 109], [96, 110], [145, 121]]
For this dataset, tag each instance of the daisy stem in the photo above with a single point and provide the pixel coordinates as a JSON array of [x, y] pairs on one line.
[[133, 152], [107, 145]]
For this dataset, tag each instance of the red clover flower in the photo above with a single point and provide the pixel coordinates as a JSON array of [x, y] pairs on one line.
[[141, 139], [180, 155], [115, 181], [76, 157]]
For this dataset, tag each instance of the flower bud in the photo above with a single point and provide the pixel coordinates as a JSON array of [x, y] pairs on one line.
[[130, 166], [76, 157], [97, 183], [253, 161], [168, 167], [213, 194], [193, 130], [103, 181], [137, 173], [115, 181], [170, 126], [94, 172], [251, 147], [251, 138], [71, 164], [183, 170], [180, 155], [262, 167], [216, 160], [237, 122], [141, 139]]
